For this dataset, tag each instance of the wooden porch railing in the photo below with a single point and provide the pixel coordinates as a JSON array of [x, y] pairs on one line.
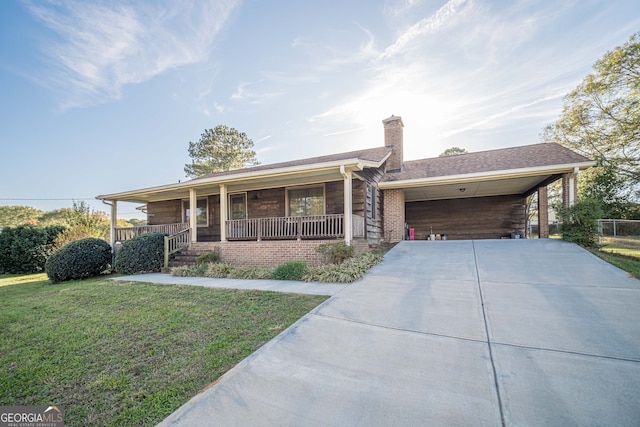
[[289, 228], [126, 233], [176, 242]]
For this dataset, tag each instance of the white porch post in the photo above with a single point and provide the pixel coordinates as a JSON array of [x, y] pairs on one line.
[[348, 205], [114, 222], [193, 214], [223, 212]]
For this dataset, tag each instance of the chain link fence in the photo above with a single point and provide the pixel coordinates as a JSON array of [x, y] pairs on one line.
[[624, 232]]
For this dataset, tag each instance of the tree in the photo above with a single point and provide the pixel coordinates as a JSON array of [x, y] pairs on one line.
[[605, 185], [453, 151], [82, 223], [220, 150], [13, 216], [601, 117]]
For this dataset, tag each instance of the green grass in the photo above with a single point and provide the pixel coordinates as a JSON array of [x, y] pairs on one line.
[[626, 246], [628, 264], [125, 353]]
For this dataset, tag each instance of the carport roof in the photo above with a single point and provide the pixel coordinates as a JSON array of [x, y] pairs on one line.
[[524, 157], [516, 170]]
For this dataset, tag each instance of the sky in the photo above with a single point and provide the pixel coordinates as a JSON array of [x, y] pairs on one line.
[[99, 97]]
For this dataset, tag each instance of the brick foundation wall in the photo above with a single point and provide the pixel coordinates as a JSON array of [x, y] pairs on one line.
[[272, 253], [394, 220]]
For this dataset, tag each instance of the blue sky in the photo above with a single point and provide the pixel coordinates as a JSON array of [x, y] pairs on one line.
[[104, 96]]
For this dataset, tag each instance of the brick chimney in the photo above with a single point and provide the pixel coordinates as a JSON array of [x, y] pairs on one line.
[[393, 141]]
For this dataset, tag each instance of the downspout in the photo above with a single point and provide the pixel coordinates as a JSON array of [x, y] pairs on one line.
[[348, 205]]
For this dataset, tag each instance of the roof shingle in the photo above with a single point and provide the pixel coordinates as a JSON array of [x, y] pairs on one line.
[[371, 154], [527, 156]]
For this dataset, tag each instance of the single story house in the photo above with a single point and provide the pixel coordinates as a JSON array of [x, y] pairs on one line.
[[267, 214]]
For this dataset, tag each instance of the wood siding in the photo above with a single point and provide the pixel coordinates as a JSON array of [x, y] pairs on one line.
[[373, 204], [473, 218], [166, 212]]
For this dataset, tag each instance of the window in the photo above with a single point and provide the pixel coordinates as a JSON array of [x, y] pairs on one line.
[[238, 206], [306, 201], [202, 213]]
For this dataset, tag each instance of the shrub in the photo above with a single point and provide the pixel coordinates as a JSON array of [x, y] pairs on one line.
[[336, 253], [79, 260], [292, 270], [25, 249], [248, 272], [142, 254], [218, 270], [580, 223], [183, 271], [347, 272], [208, 257]]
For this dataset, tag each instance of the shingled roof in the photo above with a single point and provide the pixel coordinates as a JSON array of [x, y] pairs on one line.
[[528, 156], [375, 155]]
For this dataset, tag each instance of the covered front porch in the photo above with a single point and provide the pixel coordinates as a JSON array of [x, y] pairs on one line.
[[323, 201]]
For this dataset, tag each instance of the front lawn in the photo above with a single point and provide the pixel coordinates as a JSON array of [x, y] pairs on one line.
[[627, 263], [126, 353]]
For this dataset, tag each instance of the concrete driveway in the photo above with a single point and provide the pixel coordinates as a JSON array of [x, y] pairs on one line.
[[455, 333]]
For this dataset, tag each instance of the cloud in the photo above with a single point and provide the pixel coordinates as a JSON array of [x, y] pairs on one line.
[[243, 95], [101, 47], [428, 25]]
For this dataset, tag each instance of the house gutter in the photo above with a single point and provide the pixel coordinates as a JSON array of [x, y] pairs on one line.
[[492, 176]]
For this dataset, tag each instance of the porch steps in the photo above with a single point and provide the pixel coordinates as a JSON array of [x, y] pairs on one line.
[[184, 257]]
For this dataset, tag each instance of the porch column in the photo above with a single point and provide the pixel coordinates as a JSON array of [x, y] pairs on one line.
[[193, 214], [223, 212], [543, 213], [348, 205], [114, 222]]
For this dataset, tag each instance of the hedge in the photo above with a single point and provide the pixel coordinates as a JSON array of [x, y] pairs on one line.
[[25, 249]]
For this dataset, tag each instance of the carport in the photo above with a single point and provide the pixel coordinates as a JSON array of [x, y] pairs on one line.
[[478, 195]]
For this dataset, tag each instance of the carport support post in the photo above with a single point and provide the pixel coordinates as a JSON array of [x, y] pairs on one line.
[[543, 213], [193, 214], [569, 188]]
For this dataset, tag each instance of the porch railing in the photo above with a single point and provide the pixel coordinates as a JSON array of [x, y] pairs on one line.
[[176, 242], [126, 233], [290, 228]]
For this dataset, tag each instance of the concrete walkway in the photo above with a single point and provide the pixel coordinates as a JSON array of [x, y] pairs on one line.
[[295, 287], [517, 332]]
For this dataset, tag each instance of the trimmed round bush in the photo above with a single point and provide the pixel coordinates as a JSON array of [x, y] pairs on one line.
[[142, 254], [292, 270], [78, 260]]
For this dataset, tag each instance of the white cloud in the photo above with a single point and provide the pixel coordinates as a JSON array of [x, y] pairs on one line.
[[100, 47], [428, 25], [243, 95]]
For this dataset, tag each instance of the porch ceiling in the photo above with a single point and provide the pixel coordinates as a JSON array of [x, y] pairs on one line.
[[476, 188]]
